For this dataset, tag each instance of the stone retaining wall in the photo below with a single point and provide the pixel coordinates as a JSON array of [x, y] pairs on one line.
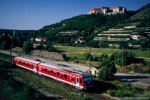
[[17, 49], [46, 54]]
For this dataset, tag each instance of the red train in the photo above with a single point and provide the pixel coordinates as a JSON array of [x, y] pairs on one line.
[[75, 78]]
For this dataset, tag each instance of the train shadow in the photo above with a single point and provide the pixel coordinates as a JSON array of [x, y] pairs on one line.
[[100, 87], [131, 77]]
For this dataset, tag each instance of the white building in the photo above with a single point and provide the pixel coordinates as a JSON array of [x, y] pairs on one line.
[[136, 37], [107, 10], [41, 39]]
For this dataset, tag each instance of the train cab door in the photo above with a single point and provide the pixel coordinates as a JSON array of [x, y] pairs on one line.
[[77, 81]]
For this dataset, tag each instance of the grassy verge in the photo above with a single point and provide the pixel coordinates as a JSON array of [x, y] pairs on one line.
[[5, 56], [50, 87], [127, 91], [12, 89]]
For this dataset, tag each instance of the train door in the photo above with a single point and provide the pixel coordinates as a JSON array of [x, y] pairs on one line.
[[73, 79], [77, 81], [34, 68]]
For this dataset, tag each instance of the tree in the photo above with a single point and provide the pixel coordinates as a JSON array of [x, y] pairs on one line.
[[107, 70], [102, 44], [87, 56], [103, 57], [125, 58], [145, 44], [3, 45], [123, 45], [27, 47], [49, 47], [40, 47]]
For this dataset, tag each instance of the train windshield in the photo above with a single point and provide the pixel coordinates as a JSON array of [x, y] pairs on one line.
[[87, 78], [88, 82]]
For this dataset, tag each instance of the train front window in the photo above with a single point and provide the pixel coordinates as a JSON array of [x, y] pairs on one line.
[[87, 78]]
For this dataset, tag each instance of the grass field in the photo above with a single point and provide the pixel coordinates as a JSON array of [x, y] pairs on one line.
[[69, 51]]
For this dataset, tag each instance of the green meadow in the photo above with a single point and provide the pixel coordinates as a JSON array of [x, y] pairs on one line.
[[78, 51]]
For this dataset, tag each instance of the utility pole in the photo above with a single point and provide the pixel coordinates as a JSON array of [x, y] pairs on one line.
[[90, 61], [10, 62], [122, 56]]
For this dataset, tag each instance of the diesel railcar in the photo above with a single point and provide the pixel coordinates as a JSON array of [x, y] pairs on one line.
[[77, 79]]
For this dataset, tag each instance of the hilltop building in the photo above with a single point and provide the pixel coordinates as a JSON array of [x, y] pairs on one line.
[[107, 10]]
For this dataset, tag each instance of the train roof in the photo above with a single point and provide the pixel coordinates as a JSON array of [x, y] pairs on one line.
[[59, 67], [36, 62], [67, 69]]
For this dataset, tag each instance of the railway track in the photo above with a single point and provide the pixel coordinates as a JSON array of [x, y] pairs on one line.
[[94, 95]]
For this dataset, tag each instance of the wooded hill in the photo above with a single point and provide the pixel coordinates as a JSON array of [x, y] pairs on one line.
[[88, 26], [85, 26]]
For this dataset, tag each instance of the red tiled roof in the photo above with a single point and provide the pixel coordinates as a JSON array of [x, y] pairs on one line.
[[95, 9], [113, 7], [44, 38]]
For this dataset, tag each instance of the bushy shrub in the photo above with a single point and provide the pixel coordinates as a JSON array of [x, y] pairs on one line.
[[40, 47], [126, 58], [107, 70], [27, 47], [49, 47]]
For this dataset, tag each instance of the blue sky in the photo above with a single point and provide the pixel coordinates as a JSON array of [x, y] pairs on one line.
[[34, 14]]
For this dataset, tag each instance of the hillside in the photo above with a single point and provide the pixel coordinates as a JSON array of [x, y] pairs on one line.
[[85, 26], [94, 26], [134, 32], [142, 13]]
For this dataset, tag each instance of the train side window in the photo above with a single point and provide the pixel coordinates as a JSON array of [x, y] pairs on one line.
[[42, 69], [45, 70], [54, 72], [61, 74], [80, 80], [34, 66], [65, 76], [58, 74], [72, 78], [48, 71], [51, 71]]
